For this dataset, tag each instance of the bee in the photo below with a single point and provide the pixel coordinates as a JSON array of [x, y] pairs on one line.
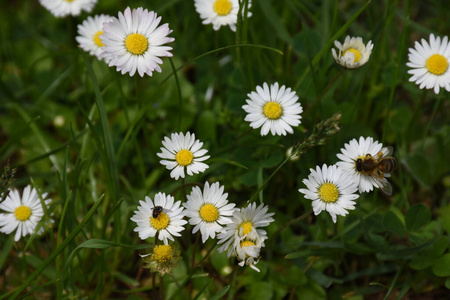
[[376, 167], [157, 210]]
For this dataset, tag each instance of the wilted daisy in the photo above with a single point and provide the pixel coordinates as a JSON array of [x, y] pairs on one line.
[[163, 217], [89, 32], [162, 259], [246, 225], [275, 109], [209, 210], [183, 151], [23, 213], [62, 8], [247, 251], [219, 12], [429, 63], [330, 189], [134, 42], [360, 159], [353, 53]]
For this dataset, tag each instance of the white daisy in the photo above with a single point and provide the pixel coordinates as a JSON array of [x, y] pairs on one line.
[[183, 151], [353, 53], [22, 213], [219, 12], [162, 217], [275, 109], [246, 225], [62, 8], [208, 211], [331, 189], [134, 42], [429, 63], [353, 160], [89, 32], [247, 251]]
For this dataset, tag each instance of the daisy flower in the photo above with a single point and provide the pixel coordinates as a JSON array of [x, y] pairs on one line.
[[429, 63], [353, 53], [247, 251], [208, 211], [62, 8], [89, 32], [360, 159], [275, 109], [183, 151], [331, 189], [162, 259], [219, 12], [246, 225], [162, 217], [134, 42], [22, 213]]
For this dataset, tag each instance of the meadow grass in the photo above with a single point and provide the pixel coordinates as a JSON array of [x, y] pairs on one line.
[[88, 136]]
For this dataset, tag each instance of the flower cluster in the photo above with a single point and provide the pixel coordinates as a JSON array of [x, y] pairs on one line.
[[208, 211], [364, 164]]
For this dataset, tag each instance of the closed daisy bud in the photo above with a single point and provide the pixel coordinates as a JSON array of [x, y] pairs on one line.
[[353, 53]]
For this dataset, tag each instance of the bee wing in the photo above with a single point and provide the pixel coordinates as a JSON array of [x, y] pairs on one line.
[[389, 151], [384, 185]]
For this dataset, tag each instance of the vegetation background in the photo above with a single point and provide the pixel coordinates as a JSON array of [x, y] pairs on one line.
[[89, 136]]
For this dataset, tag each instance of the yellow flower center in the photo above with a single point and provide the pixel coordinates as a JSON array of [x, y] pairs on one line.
[[222, 7], [184, 157], [358, 54], [136, 43], [97, 40], [69, 0], [247, 243], [246, 226], [328, 192], [162, 253], [22, 213], [272, 110], [437, 64], [209, 213], [161, 222]]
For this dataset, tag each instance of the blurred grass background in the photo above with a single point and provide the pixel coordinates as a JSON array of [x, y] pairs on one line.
[[77, 145]]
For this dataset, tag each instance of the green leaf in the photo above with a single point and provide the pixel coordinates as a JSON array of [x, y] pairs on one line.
[[444, 212], [392, 223], [441, 266], [417, 216], [221, 293]]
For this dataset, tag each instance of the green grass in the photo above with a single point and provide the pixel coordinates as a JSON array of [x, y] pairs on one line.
[[102, 160]]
